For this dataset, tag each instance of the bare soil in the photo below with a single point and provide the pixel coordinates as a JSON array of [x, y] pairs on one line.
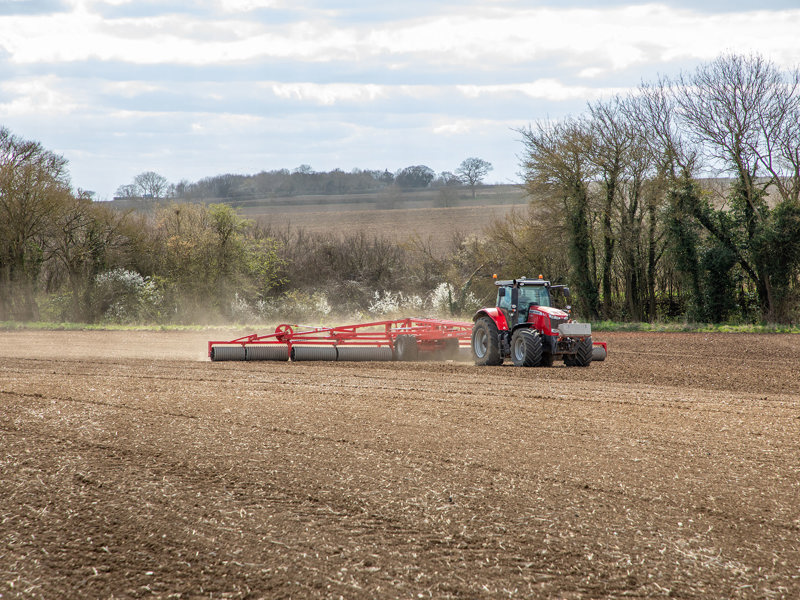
[[133, 467], [399, 216]]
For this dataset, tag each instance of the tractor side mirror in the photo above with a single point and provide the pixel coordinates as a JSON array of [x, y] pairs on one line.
[[566, 292], [502, 292]]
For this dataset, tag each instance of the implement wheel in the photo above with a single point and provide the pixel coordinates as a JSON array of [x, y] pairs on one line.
[[486, 343], [405, 348], [526, 348]]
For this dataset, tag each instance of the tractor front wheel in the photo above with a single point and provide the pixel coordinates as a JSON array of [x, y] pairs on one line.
[[526, 348], [486, 343]]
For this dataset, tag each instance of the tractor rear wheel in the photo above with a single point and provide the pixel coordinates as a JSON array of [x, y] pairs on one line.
[[526, 348], [405, 348], [486, 343]]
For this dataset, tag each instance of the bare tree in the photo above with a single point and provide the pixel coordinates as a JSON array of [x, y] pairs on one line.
[[610, 143], [557, 169], [472, 171], [128, 190], [742, 111], [628, 171], [82, 241], [34, 183], [151, 185]]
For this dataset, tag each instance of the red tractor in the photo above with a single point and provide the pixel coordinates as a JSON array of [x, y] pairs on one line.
[[525, 326]]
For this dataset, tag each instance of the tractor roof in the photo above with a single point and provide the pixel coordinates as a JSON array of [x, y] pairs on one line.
[[522, 281]]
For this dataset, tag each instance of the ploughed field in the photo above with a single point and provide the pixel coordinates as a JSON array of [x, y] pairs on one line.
[[433, 227], [133, 467]]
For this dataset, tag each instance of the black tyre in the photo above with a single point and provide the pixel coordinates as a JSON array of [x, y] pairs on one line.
[[486, 343], [526, 348], [547, 359], [405, 348], [583, 356]]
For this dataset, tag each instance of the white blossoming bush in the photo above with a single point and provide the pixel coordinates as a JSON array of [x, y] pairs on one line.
[[445, 300], [441, 298], [124, 296], [390, 303], [241, 311]]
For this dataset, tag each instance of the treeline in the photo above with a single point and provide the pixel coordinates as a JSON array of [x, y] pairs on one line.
[[648, 230], [301, 181]]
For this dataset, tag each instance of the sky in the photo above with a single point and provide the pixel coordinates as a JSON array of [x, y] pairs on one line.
[[197, 89]]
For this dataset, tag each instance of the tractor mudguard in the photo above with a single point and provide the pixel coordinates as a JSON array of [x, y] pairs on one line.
[[495, 314]]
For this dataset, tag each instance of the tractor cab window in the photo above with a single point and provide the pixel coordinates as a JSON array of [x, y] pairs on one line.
[[504, 298], [533, 295]]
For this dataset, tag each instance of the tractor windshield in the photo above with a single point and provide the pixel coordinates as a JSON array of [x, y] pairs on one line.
[[534, 295]]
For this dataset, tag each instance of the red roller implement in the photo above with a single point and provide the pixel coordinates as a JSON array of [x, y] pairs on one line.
[[401, 339]]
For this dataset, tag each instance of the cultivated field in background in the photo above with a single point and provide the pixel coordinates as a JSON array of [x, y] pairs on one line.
[[432, 215]]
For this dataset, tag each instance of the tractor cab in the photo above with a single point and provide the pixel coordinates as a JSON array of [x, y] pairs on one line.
[[515, 297]]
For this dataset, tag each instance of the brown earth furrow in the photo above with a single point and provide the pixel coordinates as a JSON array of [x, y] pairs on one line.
[[128, 474]]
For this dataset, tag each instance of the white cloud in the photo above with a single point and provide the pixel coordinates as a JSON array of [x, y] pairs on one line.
[[129, 89], [231, 124], [548, 89], [37, 96], [457, 127], [329, 94], [596, 40], [606, 39], [236, 6]]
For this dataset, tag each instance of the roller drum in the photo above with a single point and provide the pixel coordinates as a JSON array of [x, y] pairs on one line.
[[313, 353], [364, 353], [271, 352], [598, 353], [227, 353]]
